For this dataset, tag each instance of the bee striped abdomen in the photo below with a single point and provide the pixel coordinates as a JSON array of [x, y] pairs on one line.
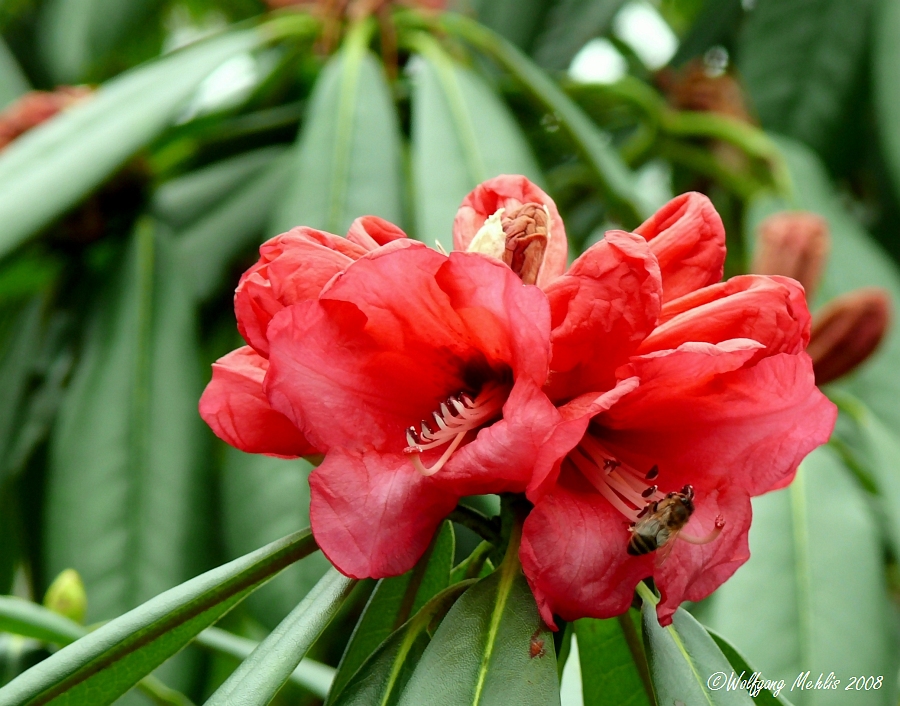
[[641, 544]]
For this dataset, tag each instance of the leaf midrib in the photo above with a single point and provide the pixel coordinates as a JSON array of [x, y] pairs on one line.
[[507, 577]]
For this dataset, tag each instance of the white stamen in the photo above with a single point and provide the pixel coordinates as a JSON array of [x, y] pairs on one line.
[[451, 429]]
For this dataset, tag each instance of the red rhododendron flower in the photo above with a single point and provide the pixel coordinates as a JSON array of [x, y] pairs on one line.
[[293, 267], [407, 334], [679, 398]]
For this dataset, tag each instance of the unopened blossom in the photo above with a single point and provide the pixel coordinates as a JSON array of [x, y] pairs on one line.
[[794, 244], [849, 328], [847, 331], [678, 397], [514, 221], [293, 267], [36, 107]]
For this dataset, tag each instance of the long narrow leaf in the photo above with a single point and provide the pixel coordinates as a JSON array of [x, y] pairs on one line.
[[103, 665], [813, 595], [381, 678], [265, 671], [310, 675], [463, 134], [612, 174], [49, 169], [124, 489], [347, 160]]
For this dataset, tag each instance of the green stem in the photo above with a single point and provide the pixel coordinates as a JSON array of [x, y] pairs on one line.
[[636, 647], [161, 694], [648, 596]]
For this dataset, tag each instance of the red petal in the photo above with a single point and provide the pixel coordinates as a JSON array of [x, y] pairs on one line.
[[371, 231], [601, 310], [504, 457], [701, 416], [236, 409], [293, 267], [508, 322], [688, 239], [574, 554], [576, 416], [374, 515], [692, 572], [771, 310], [384, 346], [509, 192]]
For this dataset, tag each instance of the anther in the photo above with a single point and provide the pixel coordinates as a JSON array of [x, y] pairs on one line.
[[412, 439], [426, 431], [457, 405], [649, 491], [610, 463], [652, 473], [439, 420], [445, 410]]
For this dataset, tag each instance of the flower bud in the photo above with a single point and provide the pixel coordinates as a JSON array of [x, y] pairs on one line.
[[35, 107], [847, 331], [518, 237], [67, 596], [793, 244]]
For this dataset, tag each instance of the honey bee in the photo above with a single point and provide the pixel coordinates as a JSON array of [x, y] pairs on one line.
[[660, 524]]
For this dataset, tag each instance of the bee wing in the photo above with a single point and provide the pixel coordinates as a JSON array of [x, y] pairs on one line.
[[665, 550]]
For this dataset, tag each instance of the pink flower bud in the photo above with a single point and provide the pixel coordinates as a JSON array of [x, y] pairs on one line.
[[847, 331], [793, 244]]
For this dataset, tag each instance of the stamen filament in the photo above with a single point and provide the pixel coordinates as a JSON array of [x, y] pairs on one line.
[[452, 425]]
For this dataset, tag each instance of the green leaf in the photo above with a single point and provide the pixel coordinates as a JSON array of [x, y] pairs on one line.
[[492, 649], [800, 61], [471, 566], [12, 81], [184, 199], [48, 170], [613, 664], [74, 34], [21, 337], [103, 665], [517, 20], [613, 176], [29, 619], [880, 453], [683, 661], [886, 85], [765, 697], [462, 134], [210, 245], [813, 595], [856, 261], [348, 160], [309, 675], [570, 24], [715, 23], [125, 496], [32, 620], [393, 601], [264, 498], [265, 671], [381, 678]]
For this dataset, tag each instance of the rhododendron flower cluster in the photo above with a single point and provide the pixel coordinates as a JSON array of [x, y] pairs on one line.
[[634, 399]]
